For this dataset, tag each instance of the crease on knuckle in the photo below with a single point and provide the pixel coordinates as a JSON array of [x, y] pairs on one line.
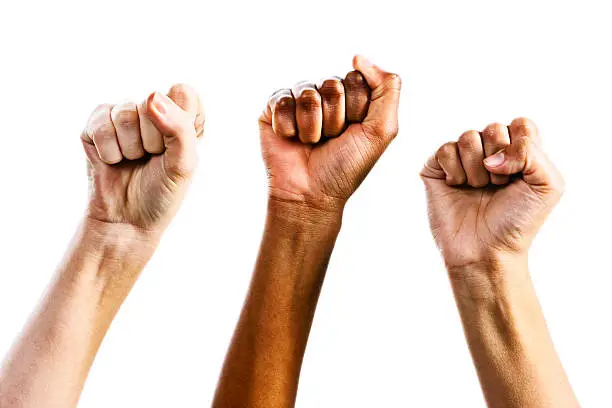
[[392, 83], [332, 88], [492, 130], [101, 132], [445, 151], [181, 90], [309, 100], [467, 138], [102, 107], [126, 117], [284, 104], [523, 126]]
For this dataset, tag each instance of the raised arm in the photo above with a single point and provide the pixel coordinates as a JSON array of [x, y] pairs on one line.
[[140, 159], [484, 214], [311, 179]]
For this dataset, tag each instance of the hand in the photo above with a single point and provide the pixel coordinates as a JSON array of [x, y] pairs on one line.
[[320, 142], [142, 157], [481, 208]]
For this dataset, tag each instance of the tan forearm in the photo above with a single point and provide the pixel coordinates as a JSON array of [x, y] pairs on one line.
[[263, 363], [508, 338], [48, 364]]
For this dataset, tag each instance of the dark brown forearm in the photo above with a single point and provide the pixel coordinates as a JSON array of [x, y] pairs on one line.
[[508, 338], [264, 360]]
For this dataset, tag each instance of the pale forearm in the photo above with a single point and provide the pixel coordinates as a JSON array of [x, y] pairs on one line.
[[48, 365], [508, 338], [263, 363]]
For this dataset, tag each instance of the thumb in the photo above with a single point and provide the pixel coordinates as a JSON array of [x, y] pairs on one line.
[[524, 157], [188, 100], [177, 128], [385, 86]]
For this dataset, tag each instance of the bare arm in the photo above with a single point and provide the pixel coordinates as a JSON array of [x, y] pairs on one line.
[[48, 365], [310, 182], [141, 159], [488, 195], [508, 338], [265, 357]]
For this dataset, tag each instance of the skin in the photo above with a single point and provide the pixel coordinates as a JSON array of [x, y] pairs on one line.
[[484, 214], [140, 160], [318, 144]]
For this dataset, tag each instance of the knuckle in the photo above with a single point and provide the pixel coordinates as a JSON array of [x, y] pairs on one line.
[[278, 96], [102, 132], [103, 107], [181, 89], [393, 82], [522, 121], [446, 150], [309, 99], [125, 116], [99, 121], [332, 88], [354, 82], [284, 103], [354, 78], [523, 125], [184, 96], [493, 129], [467, 138]]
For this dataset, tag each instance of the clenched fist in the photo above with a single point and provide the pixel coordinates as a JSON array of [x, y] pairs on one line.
[[319, 141], [141, 157], [489, 192]]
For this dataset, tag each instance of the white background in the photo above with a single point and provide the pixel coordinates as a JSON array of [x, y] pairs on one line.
[[386, 332]]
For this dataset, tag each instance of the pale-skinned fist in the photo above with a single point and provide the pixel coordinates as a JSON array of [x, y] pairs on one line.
[[141, 157], [319, 141], [489, 192]]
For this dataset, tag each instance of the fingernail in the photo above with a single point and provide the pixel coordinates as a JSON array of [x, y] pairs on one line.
[[160, 103], [496, 160]]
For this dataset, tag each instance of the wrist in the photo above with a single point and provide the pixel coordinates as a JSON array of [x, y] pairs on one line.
[[305, 215], [489, 277], [99, 238], [103, 262], [104, 252]]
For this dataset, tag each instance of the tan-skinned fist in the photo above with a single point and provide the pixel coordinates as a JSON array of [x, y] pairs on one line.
[[319, 141], [141, 158], [489, 193]]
